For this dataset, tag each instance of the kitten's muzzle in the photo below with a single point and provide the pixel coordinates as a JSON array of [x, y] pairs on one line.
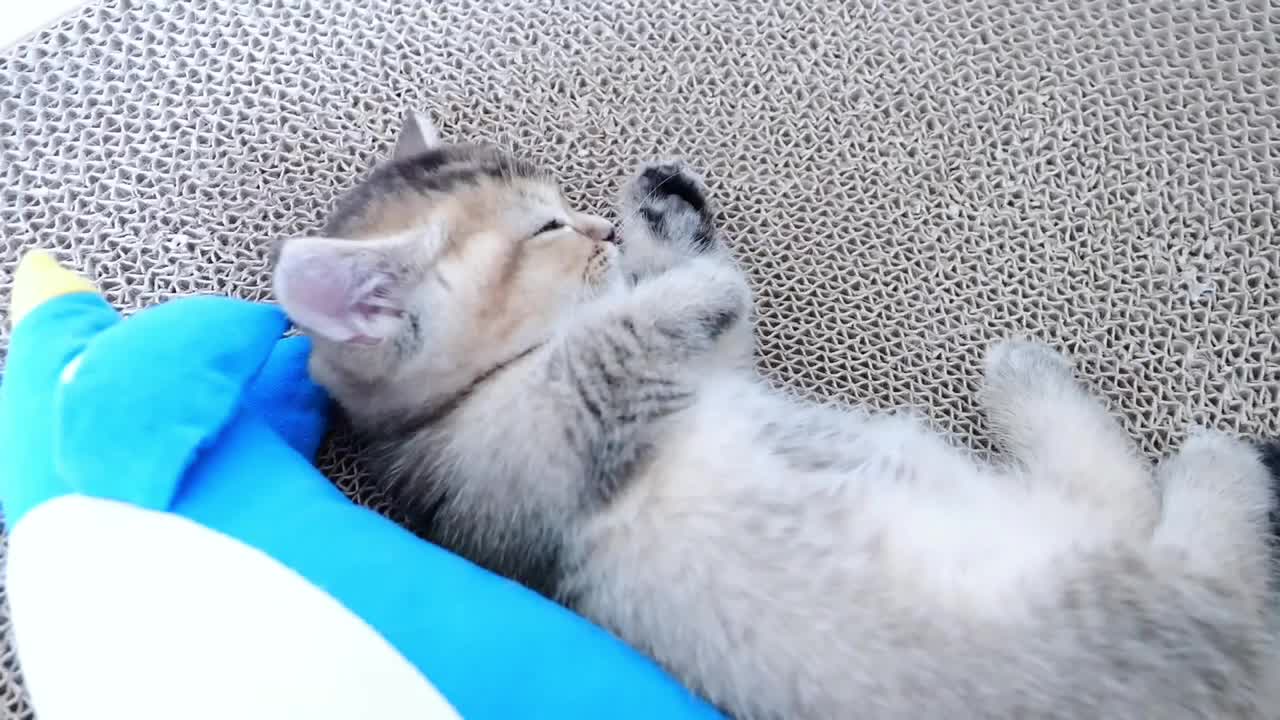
[[596, 228]]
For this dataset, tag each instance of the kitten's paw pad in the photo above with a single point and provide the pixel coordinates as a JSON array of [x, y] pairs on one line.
[[1014, 364], [668, 202], [659, 179]]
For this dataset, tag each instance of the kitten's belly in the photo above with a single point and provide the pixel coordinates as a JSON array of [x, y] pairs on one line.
[[897, 511], [725, 549]]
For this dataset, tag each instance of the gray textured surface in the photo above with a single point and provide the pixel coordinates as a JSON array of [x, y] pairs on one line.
[[904, 179]]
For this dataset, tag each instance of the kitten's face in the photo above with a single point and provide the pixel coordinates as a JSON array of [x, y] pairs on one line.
[[446, 262]]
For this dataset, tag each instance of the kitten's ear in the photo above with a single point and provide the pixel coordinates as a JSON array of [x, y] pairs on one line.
[[417, 135], [342, 290]]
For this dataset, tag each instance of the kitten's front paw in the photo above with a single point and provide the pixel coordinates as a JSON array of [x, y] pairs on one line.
[[699, 302], [670, 201], [666, 216]]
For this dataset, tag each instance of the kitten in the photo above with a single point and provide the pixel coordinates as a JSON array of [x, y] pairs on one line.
[[581, 415]]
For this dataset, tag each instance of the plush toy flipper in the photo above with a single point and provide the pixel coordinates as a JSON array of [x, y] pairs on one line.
[[42, 348], [287, 400], [184, 390]]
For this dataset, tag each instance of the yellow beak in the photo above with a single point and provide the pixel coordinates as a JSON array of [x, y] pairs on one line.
[[39, 279]]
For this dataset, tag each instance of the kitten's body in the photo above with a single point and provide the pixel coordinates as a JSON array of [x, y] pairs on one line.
[[794, 561], [803, 562]]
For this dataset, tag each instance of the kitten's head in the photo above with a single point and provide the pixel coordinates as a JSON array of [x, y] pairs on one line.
[[446, 261]]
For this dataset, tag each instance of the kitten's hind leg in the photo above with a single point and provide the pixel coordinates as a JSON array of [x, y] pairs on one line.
[[1057, 431], [666, 218], [1217, 499]]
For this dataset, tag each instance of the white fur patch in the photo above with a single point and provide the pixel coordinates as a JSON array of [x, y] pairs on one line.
[[121, 612]]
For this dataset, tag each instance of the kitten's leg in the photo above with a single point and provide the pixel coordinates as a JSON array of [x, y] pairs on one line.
[[633, 361], [1056, 430], [1217, 498], [666, 219]]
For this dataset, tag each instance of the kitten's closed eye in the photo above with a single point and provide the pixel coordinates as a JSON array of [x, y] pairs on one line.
[[550, 226]]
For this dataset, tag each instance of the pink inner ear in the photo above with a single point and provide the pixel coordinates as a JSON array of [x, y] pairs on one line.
[[333, 296], [320, 286]]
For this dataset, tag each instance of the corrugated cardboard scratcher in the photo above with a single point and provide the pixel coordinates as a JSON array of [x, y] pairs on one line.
[[905, 180]]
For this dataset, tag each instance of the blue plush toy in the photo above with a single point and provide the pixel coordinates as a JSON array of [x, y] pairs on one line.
[[174, 554]]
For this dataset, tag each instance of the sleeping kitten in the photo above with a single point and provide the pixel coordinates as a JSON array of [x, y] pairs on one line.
[[580, 414]]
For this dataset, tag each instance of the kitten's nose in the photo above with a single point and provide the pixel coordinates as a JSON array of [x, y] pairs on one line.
[[599, 230], [612, 236], [595, 227]]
